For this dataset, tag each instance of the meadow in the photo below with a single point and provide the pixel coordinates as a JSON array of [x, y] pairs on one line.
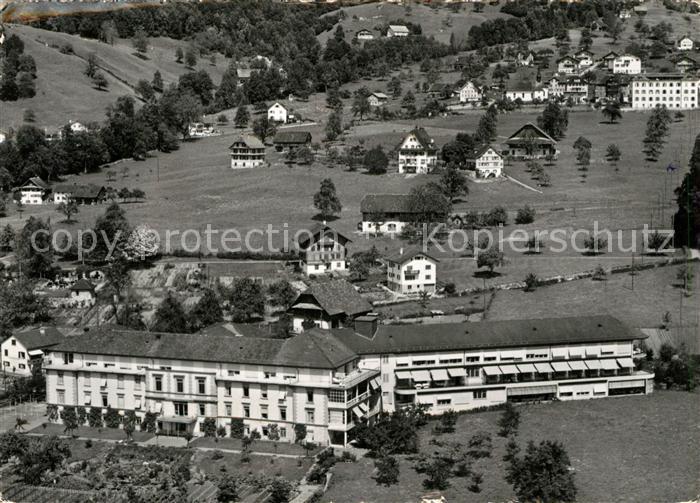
[[627, 449]]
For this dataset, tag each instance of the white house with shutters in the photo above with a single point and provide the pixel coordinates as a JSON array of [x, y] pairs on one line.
[[470, 93], [410, 272], [25, 348], [34, 191], [685, 44], [417, 153], [277, 113], [627, 64], [486, 162]]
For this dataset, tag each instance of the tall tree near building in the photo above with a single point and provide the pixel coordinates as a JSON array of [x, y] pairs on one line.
[[360, 105], [612, 112], [334, 126], [112, 230], [554, 120], [264, 128], [376, 161], [33, 248], [454, 183], [246, 299], [170, 316], [242, 116], [326, 200], [542, 473], [207, 311], [68, 209]]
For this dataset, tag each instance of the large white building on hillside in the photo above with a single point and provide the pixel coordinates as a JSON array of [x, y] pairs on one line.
[[329, 380], [673, 91]]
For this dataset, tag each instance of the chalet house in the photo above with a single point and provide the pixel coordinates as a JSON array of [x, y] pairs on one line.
[[584, 58], [441, 91], [397, 30], [470, 93], [247, 151], [530, 142], [608, 60], [385, 213], [627, 64], [277, 113], [410, 272], [684, 64], [525, 59], [525, 92], [82, 293], [417, 153], [685, 44], [81, 194], [328, 380], [291, 140], [25, 348], [567, 65], [33, 191], [323, 250], [327, 304], [377, 99], [486, 162], [364, 35]]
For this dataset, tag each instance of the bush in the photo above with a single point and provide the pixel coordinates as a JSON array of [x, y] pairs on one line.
[[525, 215], [237, 428], [112, 418], [348, 457]]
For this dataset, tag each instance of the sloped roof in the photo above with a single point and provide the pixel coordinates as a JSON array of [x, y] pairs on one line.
[[82, 285], [489, 334], [482, 149], [248, 140], [398, 28], [292, 137], [520, 85], [90, 191], [312, 348], [244, 73], [610, 55], [36, 182], [110, 340], [403, 256], [381, 96], [386, 203], [39, 337], [237, 330], [316, 348], [334, 297], [530, 132], [423, 137], [277, 104], [315, 231], [567, 58]]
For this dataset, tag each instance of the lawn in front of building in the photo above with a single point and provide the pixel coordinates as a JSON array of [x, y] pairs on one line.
[[626, 449]]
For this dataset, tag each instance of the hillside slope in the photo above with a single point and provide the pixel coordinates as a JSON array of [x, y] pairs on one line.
[[64, 92], [437, 22]]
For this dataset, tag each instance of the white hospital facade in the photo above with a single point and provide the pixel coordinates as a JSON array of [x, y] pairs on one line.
[[329, 380]]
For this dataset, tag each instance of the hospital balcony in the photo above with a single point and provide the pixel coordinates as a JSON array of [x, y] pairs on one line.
[[350, 379]]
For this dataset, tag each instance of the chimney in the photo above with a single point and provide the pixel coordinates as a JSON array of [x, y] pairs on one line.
[[367, 325]]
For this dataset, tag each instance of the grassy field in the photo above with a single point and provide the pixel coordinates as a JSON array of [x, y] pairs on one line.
[[655, 292], [94, 433], [639, 448], [435, 22], [64, 93]]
